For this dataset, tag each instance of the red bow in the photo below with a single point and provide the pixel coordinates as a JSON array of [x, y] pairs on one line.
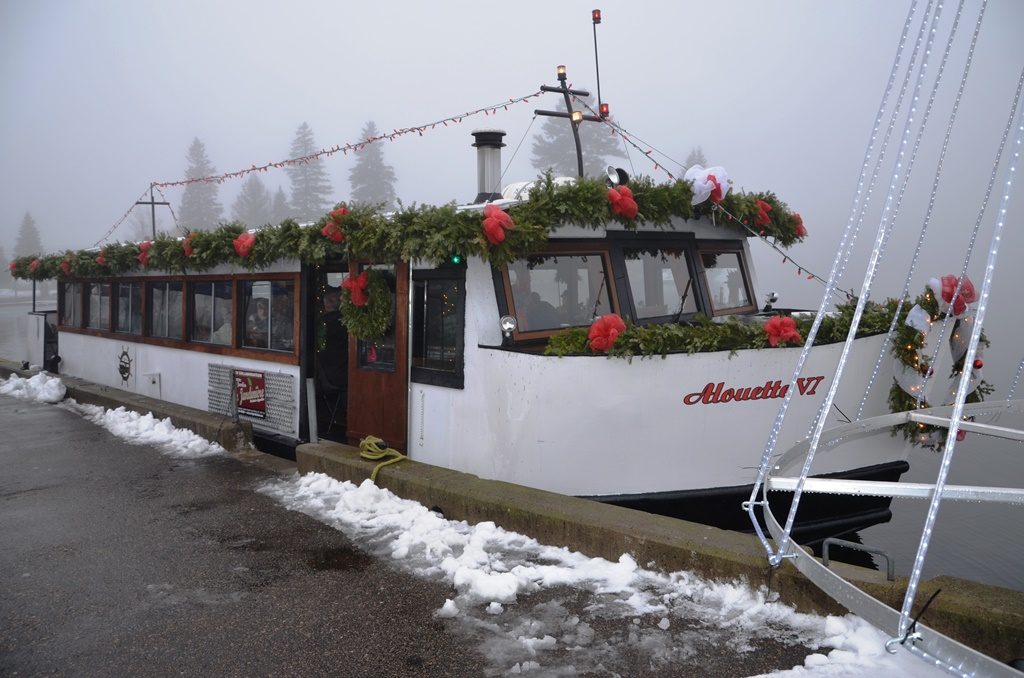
[[243, 244], [716, 192], [763, 209], [332, 229], [605, 331], [622, 201], [102, 258], [801, 230], [496, 222], [144, 252], [12, 266], [781, 330], [33, 266], [66, 266], [187, 245], [967, 293], [356, 286]]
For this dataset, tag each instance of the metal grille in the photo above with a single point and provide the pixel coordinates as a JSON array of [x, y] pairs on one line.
[[280, 398]]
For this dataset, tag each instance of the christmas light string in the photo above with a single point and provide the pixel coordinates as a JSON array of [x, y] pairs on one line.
[[174, 217], [120, 221], [786, 258], [355, 147]]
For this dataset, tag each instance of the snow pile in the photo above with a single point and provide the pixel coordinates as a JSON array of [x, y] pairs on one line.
[[494, 571], [145, 429], [42, 387]]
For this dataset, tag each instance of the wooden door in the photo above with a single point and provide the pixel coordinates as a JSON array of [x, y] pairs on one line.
[[378, 370]]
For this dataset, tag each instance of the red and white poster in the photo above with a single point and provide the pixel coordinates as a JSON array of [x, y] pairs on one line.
[[251, 393]]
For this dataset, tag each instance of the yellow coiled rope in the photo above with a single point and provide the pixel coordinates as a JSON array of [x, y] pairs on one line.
[[373, 448]]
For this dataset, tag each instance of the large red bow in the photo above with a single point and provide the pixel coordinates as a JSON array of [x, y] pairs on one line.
[[496, 222], [716, 192], [781, 330], [66, 266], [102, 258], [623, 203], [12, 266], [33, 266], [967, 293], [605, 331], [243, 244], [801, 230], [762, 218], [356, 286], [332, 229], [144, 252], [187, 244]]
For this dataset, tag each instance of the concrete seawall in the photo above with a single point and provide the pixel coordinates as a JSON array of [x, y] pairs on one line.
[[988, 618]]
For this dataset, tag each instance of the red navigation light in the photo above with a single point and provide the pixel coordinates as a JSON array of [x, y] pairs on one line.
[[604, 110], [596, 16]]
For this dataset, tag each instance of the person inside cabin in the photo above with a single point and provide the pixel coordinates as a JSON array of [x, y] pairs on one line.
[[256, 325], [539, 314]]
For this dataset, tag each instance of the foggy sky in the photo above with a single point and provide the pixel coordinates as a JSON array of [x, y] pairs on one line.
[[102, 97]]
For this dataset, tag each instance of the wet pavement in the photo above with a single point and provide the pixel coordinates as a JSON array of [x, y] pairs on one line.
[[119, 560]]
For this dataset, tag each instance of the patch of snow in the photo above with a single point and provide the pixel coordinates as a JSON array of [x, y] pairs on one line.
[[448, 610], [42, 388], [494, 608], [145, 429]]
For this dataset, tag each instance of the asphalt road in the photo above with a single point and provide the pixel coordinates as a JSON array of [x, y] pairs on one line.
[[117, 560]]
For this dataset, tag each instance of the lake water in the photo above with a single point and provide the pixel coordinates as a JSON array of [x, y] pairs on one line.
[[980, 542]]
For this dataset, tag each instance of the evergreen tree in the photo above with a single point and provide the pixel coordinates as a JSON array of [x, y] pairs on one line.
[[696, 157], [199, 207], [554, 148], [28, 241], [372, 181], [280, 210], [252, 206], [311, 188], [5, 274]]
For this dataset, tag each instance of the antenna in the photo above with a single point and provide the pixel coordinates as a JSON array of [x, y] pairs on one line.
[[152, 202], [575, 117], [595, 16]]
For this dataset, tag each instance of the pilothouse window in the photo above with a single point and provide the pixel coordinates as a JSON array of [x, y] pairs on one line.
[[661, 282], [267, 308], [727, 282], [554, 291], [164, 310], [211, 312], [129, 308], [98, 300]]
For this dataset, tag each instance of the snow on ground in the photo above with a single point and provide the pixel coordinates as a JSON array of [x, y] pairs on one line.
[[42, 387], [497, 575], [139, 429]]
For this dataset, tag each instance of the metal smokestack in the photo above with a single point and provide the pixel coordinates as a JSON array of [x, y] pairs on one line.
[[488, 164]]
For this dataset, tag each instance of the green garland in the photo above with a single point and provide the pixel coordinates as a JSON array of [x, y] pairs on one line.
[[373, 319], [428, 233]]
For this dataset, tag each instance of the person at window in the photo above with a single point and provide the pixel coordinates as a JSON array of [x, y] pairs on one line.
[[539, 314], [256, 325]]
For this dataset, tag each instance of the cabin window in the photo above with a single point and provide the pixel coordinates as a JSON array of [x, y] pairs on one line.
[[727, 284], [129, 307], [660, 282], [438, 321], [98, 304], [211, 313], [379, 354], [554, 291], [164, 310], [71, 304], [267, 307]]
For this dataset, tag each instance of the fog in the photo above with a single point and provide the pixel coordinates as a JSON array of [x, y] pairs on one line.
[[101, 98]]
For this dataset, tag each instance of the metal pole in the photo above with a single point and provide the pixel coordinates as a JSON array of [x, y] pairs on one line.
[[152, 201], [597, 65], [575, 129]]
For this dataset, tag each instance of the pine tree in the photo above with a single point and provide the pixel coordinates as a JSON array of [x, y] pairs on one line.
[[5, 274], [696, 157], [252, 206], [311, 188], [372, 181], [280, 210], [28, 241], [554, 148], [199, 207]]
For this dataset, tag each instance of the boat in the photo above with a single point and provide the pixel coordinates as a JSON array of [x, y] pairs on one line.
[[467, 361]]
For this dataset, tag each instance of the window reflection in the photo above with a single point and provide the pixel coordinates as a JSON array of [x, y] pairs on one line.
[[99, 306], [727, 285], [129, 308], [558, 290], [165, 310], [660, 282], [211, 312]]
